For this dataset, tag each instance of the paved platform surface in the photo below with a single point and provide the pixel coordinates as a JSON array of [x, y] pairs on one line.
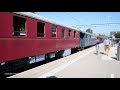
[[83, 64]]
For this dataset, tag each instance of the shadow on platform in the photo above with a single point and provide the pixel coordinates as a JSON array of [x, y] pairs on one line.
[[99, 53], [51, 77], [114, 58]]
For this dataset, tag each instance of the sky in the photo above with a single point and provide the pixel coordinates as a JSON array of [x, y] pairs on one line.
[[75, 19]]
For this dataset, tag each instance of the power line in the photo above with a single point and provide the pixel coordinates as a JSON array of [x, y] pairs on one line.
[[64, 19], [100, 24], [55, 17], [68, 19], [72, 17]]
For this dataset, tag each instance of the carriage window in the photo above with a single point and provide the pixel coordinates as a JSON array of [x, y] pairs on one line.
[[63, 29], [19, 26], [90, 36], [69, 33], [40, 29], [87, 36], [74, 33], [81, 35], [54, 30]]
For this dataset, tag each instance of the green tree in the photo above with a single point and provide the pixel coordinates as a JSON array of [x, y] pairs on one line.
[[89, 30], [117, 35], [102, 36]]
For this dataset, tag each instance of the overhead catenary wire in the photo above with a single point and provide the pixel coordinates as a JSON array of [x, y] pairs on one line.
[[65, 19], [107, 24], [91, 25], [62, 16], [80, 25], [72, 17]]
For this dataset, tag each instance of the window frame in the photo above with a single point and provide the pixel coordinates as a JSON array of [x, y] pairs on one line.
[[25, 27], [69, 33], [54, 31], [74, 34], [63, 32], [43, 29]]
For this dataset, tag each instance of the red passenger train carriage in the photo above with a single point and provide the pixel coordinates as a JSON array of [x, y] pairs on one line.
[[25, 34]]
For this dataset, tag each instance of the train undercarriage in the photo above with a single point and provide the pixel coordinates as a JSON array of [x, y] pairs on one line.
[[13, 67]]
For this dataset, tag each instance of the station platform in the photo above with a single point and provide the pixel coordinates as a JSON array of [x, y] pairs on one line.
[[83, 64]]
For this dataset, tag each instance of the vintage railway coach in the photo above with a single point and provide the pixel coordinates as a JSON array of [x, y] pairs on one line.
[[28, 35]]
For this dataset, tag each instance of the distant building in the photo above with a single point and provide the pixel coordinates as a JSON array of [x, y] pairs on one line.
[[113, 32]]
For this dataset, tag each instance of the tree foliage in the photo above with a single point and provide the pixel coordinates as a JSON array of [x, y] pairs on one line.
[[117, 35], [89, 30], [102, 36]]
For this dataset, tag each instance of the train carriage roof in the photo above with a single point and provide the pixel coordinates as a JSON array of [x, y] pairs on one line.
[[88, 33], [38, 17]]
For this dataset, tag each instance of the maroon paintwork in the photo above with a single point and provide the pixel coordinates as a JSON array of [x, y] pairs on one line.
[[16, 47]]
